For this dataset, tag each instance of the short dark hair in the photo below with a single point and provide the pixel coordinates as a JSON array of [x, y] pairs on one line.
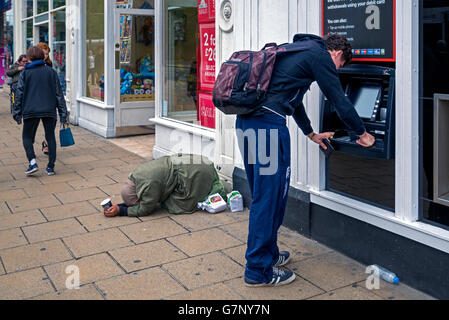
[[335, 42], [35, 53], [21, 57]]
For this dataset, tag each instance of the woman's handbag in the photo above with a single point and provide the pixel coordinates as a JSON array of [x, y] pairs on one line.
[[65, 136]]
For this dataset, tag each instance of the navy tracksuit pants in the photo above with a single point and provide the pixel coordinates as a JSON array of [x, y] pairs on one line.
[[264, 142]]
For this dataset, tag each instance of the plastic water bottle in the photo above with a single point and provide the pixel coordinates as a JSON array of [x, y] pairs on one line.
[[385, 274]]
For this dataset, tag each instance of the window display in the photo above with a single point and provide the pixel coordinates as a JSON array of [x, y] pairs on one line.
[[42, 6], [135, 4], [136, 58], [27, 26], [58, 3], [27, 8], [59, 46], [434, 115], [94, 50], [189, 61]]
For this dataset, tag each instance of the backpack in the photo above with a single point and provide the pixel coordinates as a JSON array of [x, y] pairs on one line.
[[243, 80]]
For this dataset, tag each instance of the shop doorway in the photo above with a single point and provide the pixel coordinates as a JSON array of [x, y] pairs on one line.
[[134, 71]]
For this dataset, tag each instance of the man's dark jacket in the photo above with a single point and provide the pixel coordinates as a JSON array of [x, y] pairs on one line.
[[294, 73], [39, 93]]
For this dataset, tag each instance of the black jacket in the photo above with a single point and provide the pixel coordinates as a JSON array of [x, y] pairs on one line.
[[39, 93], [294, 73]]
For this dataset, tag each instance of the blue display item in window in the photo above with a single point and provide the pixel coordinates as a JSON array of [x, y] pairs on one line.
[[61, 77], [125, 88], [146, 69]]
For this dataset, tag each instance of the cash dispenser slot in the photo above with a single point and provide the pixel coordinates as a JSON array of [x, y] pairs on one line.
[[371, 90]]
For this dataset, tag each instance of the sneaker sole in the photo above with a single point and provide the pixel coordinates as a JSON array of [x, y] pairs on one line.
[[288, 281], [50, 174], [284, 263], [31, 172]]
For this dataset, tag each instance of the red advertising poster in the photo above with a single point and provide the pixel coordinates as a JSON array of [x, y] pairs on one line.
[[207, 52], [203, 11], [206, 110], [212, 10]]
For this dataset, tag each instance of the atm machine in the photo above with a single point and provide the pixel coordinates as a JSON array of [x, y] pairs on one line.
[[371, 89]]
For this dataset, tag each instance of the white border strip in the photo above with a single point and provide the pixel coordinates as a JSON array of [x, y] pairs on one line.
[[420, 232]]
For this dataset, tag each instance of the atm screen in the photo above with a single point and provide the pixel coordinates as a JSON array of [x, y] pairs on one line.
[[365, 101]]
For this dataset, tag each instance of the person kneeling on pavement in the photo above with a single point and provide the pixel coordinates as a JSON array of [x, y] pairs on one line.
[[177, 183]]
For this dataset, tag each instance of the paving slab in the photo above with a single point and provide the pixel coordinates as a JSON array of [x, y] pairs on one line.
[[12, 238], [147, 255], [71, 210], [204, 241], [87, 292], [53, 230], [204, 270], [7, 195], [201, 220], [238, 230], [237, 254], [34, 255], [301, 247], [80, 195], [152, 230], [98, 221], [58, 177], [299, 289], [112, 189], [90, 182], [352, 292], [48, 189], [21, 219], [25, 284], [33, 203], [330, 271], [158, 285], [19, 184], [91, 269], [217, 291], [96, 242], [399, 291], [158, 213], [4, 210]]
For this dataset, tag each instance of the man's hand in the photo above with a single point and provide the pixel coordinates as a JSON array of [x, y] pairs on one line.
[[318, 138], [366, 140], [112, 211]]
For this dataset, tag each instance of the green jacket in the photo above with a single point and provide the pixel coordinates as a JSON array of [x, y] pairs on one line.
[[14, 73], [177, 183]]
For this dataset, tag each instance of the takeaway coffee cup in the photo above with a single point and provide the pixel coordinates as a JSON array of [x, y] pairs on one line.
[[106, 204]]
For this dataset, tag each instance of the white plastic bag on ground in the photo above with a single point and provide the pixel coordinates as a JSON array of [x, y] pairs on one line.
[[213, 204], [235, 201]]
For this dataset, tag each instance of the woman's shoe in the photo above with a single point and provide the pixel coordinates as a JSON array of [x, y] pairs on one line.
[[45, 147]]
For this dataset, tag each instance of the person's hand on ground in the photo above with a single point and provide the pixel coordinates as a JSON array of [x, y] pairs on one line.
[[318, 138], [112, 211], [366, 140]]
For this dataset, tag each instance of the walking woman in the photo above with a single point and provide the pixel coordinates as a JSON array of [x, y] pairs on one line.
[[39, 95], [49, 63]]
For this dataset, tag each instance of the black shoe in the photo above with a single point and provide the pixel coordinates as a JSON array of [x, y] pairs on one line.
[[50, 171], [284, 258], [32, 169], [280, 277]]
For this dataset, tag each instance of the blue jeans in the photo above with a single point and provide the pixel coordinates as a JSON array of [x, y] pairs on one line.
[[268, 183]]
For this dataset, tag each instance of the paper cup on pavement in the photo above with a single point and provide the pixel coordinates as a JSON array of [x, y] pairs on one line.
[[106, 204]]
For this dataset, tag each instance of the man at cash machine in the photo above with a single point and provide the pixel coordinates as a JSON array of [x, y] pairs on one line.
[[291, 78]]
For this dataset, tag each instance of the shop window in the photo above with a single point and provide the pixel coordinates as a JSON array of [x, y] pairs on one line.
[[27, 10], [59, 46], [434, 111], [27, 34], [136, 58], [189, 61], [94, 54], [58, 3], [135, 4], [42, 6]]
